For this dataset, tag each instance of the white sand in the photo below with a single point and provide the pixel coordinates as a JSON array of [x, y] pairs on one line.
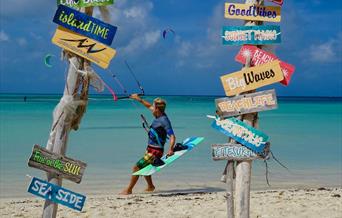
[[320, 203]]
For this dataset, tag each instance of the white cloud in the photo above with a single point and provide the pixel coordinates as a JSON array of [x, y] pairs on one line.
[[141, 43], [3, 36], [326, 52]]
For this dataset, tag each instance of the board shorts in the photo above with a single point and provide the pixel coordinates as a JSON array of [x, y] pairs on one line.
[[150, 155]]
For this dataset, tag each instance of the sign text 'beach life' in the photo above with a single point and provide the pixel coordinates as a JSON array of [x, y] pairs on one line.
[[254, 35], [247, 103], [252, 78], [259, 57], [84, 3], [63, 166], [85, 25], [56, 194], [83, 46], [231, 151], [252, 12], [241, 132]]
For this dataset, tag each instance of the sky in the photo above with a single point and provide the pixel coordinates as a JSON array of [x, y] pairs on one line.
[[189, 62]]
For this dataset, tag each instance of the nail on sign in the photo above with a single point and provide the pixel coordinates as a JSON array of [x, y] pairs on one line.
[[252, 12], [83, 46], [254, 35], [247, 103], [252, 78], [242, 133], [85, 25], [56, 194], [259, 57]]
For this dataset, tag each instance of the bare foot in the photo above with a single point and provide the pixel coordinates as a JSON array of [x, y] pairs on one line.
[[150, 189], [126, 192]]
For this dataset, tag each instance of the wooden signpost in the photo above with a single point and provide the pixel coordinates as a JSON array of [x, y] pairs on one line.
[[85, 25], [84, 47], [247, 103], [232, 151], [50, 162], [259, 57], [56, 194], [255, 35], [252, 78], [84, 3], [252, 12]]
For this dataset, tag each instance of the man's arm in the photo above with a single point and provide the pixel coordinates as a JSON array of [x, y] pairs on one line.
[[147, 104], [172, 144]]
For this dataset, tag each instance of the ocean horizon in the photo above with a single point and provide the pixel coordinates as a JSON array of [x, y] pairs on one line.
[[305, 135]]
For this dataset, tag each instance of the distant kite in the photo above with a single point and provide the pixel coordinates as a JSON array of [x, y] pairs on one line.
[[168, 30], [47, 60]]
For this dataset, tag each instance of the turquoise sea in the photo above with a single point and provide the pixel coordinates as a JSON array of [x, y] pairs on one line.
[[306, 135]]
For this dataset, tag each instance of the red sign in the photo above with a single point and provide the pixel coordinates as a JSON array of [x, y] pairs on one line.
[[259, 57], [279, 2]]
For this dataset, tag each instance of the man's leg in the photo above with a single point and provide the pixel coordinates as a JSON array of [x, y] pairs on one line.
[[150, 186], [132, 183]]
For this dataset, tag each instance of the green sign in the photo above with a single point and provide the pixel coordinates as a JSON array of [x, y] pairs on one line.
[[84, 3]]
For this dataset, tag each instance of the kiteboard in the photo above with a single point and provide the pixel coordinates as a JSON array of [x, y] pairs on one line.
[[189, 143]]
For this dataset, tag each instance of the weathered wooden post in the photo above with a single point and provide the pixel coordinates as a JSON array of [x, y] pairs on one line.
[[69, 113]]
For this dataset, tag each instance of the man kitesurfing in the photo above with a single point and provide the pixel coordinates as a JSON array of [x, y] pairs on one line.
[[157, 134]]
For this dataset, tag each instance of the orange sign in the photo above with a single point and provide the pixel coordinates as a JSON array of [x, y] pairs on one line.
[[83, 46], [252, 78]]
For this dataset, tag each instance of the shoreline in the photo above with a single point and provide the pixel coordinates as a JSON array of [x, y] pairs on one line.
[[308, 202]]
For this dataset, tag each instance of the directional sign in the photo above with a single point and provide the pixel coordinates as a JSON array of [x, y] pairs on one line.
[[56, 194], [252, 78], [85, 25], [50, 162], [83, 46], [241, 132], [255, 35], [232, 151], [259, 57], [279, 2], [247, 103], [252, 12], [84, 3]]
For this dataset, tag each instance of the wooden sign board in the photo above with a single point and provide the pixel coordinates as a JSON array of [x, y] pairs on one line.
[[235, 152], [84, 3], [279, 2], [247, 103], [83, 46], [56, 194], [259, 57], [242, 133], [85, 25], [252, 12], [53, 163], [254, 35], [252, 78]]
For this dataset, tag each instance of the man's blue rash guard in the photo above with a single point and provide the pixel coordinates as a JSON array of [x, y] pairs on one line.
[[161, 126]]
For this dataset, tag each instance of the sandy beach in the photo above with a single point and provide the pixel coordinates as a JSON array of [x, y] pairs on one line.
[[317, 202]]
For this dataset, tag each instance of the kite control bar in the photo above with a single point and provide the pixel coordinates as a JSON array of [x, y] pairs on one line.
[[125, 97]]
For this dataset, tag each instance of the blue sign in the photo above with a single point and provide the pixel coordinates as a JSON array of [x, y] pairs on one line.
[[253, 35], [84, 24], [56, 194], [242, 133]]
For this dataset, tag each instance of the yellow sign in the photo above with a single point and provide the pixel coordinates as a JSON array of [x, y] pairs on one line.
[[83, 46], [252, 78], [252, 12]]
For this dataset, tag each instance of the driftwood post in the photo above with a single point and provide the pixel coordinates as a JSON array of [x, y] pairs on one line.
[[239, 208], [67, 115]]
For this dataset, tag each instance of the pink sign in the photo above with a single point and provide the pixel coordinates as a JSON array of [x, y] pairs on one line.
[[279, 2], [259, 56]]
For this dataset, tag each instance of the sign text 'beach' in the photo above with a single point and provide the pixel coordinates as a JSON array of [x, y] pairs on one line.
[[247, 103], [84, 3], [83, 46], [252, 78]]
